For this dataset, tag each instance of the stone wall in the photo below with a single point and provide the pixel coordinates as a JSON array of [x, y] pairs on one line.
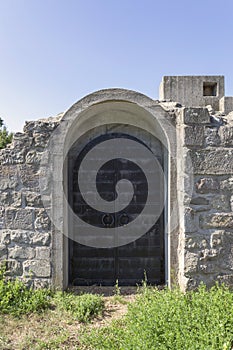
[[207, 226], [201, 244], [25, 228]]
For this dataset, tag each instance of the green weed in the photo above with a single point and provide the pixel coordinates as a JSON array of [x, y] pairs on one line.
[[163, 320], [17, 299], [83, 307]]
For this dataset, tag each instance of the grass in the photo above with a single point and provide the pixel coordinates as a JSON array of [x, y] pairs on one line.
[[157, 319], [42, 319], [83, 307], [201, 320], [51, 329], [17, 299]]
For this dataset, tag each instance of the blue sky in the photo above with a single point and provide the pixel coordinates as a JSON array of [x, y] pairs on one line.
[[54, 52]]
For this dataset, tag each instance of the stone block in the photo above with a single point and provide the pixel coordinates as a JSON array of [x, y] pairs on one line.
[[192, 282], [8, 177], [42, 221], [216, 239], [18, 252], [227, 185], [2, 217], [222, 241], [16, 199], [29, 176], [5, 198], [33, 199], [41, 139], [193, 115], [199, 201], [42, 126], [9, 217], [194, 135], [39, 283], [3, 252], [226, 279], [43, 253], [226, 104], [196, 241], [5, 236], [206, 185], [19, 218], [218, 220], [221, 203], [9, 156], [10, 198], [212, 137], [208, 268], [13, 268], [21, 237], [21, 141], [33, 157], [37, 268], [200, 204], [24, 219], [226, 135], [190, 262], [209, 254], [217, 161], [39, 238]]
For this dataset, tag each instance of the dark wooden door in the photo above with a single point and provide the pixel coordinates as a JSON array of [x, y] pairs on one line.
[[129, 263]]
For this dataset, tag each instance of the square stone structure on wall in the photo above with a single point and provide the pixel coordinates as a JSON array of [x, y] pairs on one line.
[[195, 91], [189, 133]]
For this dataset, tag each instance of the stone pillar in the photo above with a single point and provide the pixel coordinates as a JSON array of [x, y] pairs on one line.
[[205, 182]]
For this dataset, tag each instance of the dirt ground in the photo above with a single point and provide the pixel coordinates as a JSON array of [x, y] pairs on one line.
[[54, 329]]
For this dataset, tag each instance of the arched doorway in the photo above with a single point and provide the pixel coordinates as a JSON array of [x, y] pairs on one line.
[[134, 115]]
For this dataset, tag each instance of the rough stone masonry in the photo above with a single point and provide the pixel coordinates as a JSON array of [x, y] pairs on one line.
[[200, 248]]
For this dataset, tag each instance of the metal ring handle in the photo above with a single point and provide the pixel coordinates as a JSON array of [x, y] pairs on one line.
[[123, 219], [108, 220]]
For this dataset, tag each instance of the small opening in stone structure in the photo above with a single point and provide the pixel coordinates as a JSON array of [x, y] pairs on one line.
[[209, 89]]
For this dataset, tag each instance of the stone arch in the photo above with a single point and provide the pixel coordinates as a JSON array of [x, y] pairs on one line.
[[102, 108]]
